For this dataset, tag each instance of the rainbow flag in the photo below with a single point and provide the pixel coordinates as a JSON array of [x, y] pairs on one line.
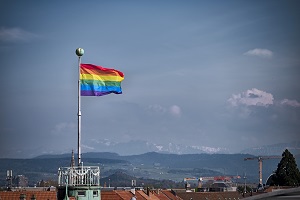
[[99, 81]]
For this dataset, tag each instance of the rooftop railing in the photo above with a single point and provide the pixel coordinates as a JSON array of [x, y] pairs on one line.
[[79, 176]]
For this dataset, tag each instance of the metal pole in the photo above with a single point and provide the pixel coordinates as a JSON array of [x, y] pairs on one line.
[[79, 52], [260, 172], [79, 114], [245, 186]]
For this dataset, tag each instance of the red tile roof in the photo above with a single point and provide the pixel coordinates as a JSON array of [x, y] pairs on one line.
[[110, 195], [123, 194], [161, 195], [39, 195], [127, 195], [169, 195], [209, 195], [139, 194]]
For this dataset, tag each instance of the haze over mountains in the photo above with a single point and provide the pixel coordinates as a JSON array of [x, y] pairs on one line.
[[136, 147], [172, 162], [152, 165]]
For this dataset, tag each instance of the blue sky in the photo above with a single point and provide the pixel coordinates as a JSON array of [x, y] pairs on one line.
[[208, 73]]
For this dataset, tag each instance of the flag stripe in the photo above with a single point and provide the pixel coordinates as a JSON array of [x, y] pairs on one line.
[[100, 83], [101, 88], [95, 93], [100, 77], [98, 70]]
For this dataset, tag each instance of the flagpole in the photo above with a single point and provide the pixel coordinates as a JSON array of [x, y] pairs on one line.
[[79, 53]]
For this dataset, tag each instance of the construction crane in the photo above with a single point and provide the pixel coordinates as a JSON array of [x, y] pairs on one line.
[[260, 160]]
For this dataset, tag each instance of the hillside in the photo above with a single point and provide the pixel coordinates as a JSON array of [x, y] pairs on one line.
[[144, 166]]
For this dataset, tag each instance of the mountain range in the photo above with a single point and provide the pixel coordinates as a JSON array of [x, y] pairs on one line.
[[151, 165], [143, 159], [135, 147]]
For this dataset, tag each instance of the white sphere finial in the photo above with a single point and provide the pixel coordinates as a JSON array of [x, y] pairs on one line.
[[79, 52]]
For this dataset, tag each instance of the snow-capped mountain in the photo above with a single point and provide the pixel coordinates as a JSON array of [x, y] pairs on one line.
[[275, 149], [135, 147]]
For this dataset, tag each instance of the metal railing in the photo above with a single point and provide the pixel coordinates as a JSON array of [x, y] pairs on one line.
[[79, 176]]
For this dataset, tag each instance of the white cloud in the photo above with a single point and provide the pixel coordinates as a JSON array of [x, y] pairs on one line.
[[156, 108], [86, 147], [15, 34], [175, 111], [253, 97], [288, 102], [265, 53], [64, 128]]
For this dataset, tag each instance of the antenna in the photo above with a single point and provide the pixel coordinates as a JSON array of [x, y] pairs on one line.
[[79, 53], [9, 179]]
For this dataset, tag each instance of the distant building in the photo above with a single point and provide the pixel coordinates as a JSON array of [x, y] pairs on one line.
[[20, 181], [220, 187]]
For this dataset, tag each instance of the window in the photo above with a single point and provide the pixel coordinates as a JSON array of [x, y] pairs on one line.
[[81, 193], [95, 193]]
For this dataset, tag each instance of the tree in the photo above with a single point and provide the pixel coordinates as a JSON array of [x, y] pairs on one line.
[[241, 189], [287, 173]]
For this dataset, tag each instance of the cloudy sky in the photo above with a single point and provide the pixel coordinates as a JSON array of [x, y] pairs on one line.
[[208, 73]]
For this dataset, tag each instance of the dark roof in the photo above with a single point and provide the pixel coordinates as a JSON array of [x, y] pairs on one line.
[[219, 185], [209, 195]]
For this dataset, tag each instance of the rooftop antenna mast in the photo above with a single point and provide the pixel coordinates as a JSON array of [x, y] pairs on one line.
[[79, 53], [78, 182]]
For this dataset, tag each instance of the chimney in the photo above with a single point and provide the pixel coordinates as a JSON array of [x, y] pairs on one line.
[[132, 190], [22, 196]]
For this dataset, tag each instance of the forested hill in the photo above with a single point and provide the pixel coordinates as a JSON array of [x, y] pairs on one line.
[[148, 165]]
